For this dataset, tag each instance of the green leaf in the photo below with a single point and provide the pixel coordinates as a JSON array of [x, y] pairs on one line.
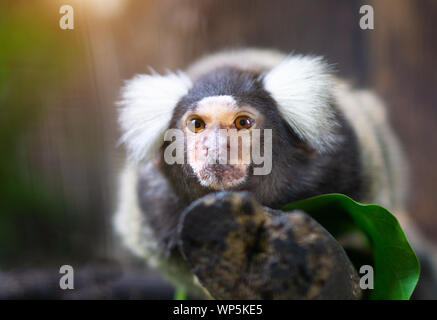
[[180, 294], [396, 267]]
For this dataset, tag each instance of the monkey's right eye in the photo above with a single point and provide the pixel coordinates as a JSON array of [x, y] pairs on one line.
[[196, 125]]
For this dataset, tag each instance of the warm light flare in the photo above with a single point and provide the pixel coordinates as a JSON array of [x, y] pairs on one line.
[[102, 8]]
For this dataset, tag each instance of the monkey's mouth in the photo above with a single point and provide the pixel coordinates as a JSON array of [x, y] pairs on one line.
[[222, 176]]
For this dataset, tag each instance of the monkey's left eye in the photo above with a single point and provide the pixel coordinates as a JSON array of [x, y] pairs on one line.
[[196, 125], [243, 122]]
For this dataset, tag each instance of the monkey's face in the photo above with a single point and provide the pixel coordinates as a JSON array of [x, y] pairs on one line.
[[218, 138], [286, 112]]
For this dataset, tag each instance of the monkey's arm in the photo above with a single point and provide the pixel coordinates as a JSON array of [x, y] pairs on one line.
[[239, 249]]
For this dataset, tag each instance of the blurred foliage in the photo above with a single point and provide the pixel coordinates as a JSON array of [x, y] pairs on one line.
[[34, 56]]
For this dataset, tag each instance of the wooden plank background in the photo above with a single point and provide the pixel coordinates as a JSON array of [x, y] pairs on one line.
[[72, 145]]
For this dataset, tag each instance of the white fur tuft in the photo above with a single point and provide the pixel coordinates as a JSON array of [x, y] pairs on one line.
[[302, 86], [146, 109]]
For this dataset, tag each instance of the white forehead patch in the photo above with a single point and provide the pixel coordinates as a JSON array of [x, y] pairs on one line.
[[220, 103]]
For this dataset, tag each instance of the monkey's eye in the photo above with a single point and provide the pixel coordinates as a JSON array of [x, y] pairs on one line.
[[196, 125], [243, 122]]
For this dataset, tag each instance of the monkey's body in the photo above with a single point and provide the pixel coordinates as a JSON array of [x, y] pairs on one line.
[[358, 156]]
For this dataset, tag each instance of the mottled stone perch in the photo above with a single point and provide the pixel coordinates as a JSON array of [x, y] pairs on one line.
[[239, 249]]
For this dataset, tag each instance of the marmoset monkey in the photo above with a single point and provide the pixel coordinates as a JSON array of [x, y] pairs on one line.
[[326, 137]]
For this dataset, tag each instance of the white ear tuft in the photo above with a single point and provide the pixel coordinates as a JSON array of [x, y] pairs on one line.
[[302, 87], [146, 109]]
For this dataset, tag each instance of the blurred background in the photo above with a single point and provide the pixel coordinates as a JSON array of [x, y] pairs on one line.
[[59, 158]]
